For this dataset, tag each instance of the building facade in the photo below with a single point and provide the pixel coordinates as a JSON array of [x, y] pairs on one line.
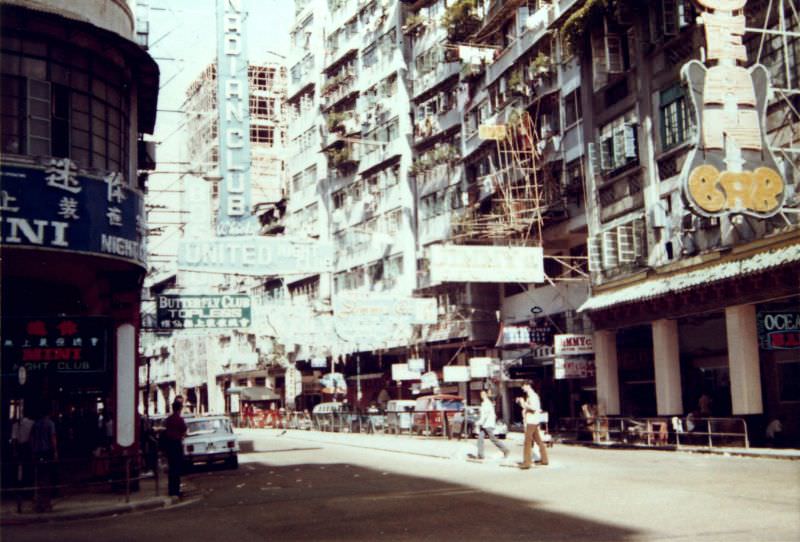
[[78, 95]]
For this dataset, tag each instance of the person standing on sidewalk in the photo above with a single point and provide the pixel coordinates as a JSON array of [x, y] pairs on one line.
[[486, 424], [172, 444], [531, 408], [44, 449]]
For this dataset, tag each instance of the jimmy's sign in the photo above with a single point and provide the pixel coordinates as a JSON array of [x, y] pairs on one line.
[[233, 98], [572, 345]]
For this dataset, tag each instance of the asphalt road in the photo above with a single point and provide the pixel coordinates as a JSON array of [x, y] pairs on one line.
[[301, 487]]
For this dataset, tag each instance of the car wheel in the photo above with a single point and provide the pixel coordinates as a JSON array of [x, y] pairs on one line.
[[233, 462]]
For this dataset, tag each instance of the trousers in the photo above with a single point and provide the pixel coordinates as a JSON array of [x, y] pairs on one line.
[[489, 433], [532, 434]]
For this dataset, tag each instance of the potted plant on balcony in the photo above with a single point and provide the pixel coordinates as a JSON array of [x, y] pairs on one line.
[[516, 83], [461, 19]]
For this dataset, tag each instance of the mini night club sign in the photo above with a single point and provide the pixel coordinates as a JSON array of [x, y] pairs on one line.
[[235, 217], [56, 208], [63, 345], [731, 169], [203, 311]]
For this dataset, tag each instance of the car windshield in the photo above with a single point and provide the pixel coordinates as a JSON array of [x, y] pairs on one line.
[[198, 427]]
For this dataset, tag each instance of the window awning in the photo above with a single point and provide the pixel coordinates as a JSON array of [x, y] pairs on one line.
[[253, 393], [661, 286]]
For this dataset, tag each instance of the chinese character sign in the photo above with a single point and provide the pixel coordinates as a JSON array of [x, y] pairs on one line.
[[64, 345], [202, 311], [58, 208]]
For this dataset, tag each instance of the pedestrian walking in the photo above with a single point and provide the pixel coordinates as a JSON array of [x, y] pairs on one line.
[[531, 409], [21, 446], [172, 444], [486, 424], [44, 449]]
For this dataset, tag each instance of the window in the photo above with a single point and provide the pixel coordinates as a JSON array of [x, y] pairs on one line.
[[339, 198], [618, 143], [676, 124], [264, 135], [260, 381], [607, 55], [572, 107], [58, 104]]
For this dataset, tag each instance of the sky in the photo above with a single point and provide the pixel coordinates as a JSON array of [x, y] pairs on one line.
[[183, 42]]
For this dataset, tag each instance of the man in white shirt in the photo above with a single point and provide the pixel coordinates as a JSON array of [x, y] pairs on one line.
[[486, 424], [531, 409]]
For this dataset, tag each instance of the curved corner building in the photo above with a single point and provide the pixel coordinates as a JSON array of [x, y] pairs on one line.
[[77, 94]]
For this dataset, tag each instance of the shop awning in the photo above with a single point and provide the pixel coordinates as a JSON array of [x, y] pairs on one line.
[[660, 286], [253, 393]]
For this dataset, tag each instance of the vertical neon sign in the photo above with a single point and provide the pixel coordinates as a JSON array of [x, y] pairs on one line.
[[233, 104]]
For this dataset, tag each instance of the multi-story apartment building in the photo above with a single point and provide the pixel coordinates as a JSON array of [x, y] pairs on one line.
[[213, 368], [689, 298]]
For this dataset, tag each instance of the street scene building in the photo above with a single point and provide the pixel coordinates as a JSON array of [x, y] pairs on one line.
[[420, 134], [79, 94]]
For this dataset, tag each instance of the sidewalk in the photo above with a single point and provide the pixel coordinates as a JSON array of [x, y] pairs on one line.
[[90, 505], [454, 449]]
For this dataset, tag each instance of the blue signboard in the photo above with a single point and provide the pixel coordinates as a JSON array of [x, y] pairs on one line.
[[54, 207], [233, 99]]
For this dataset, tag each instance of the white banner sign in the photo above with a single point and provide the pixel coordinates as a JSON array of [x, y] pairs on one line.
[[416, 364], [429, 380], [259, 256], [456, 373], [400, 371], [481, 367], [571, 344], [457, 263], [370, 309], [573, 368]]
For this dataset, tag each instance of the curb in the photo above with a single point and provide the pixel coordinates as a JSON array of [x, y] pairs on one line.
[[124, 508]]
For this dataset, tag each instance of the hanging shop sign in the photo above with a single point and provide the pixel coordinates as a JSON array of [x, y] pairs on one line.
[[416, 364], [482, 367], [63, 345], [319, 363], [495, 132], [463, 263], [779, 330], [233, 95], [333, 383], [259, 256], [429, 381], [573, 367], [202, 311], [511, 335], [455, 373], [375, 309], [56, 208], [731, 168], [571, 344], [400, 371]]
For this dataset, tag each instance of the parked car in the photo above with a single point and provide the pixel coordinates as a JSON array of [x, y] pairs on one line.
[[210, 439], [433, 414], [472, 414], [399, 414]]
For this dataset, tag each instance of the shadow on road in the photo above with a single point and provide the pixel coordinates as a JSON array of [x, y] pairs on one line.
[[348, 502]]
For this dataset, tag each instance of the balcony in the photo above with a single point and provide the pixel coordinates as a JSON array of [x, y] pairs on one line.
[[374, 153], [434, 77], [434, 125], [338, 88]]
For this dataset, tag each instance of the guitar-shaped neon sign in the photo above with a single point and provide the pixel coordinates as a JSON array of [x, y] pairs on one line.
[[731, 169]]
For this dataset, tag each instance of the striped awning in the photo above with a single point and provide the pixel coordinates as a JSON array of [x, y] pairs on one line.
[[660, 286]]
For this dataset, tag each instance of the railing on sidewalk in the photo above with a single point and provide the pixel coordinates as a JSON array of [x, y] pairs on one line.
[[40, 480], [656, 431]]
